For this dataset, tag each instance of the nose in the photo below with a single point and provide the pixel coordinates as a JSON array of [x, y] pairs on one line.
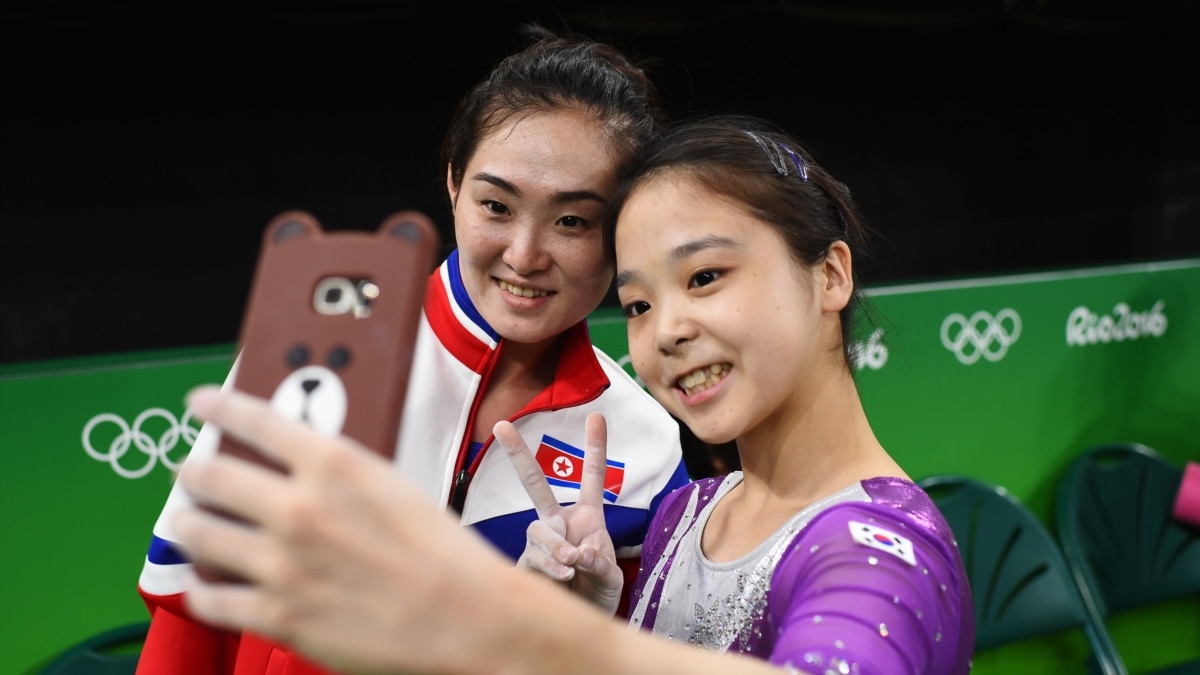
[[527, 251], [674, 329]]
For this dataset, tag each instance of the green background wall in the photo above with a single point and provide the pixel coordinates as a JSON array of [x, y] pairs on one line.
[[1012, 406]]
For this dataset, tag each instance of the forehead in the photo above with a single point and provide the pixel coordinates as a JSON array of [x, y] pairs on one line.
[[671, 209], [547, 142]]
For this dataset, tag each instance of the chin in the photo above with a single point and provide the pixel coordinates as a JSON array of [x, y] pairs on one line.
[[710, 434], [527, 332]]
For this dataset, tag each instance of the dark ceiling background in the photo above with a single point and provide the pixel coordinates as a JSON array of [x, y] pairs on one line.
[[143, 147]]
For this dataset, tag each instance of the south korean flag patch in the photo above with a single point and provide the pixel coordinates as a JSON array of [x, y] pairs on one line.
[[883, 540]]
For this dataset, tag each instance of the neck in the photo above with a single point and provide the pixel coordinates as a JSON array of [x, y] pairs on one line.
[[817, 447], [534, 363]]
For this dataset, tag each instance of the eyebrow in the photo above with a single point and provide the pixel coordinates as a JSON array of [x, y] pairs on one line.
[[683, 251], [564, 197]]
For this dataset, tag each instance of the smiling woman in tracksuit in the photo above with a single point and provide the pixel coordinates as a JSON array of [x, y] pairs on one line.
[[532, 157]]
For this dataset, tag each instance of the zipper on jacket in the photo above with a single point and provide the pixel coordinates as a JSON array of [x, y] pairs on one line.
[[459, 495], [462, 479]]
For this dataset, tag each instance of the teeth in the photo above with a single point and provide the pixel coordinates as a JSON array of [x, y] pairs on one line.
[[703, 378], [523, 292]]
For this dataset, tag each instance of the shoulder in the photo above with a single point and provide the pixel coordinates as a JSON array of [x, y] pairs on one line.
[[897, 506], [897, 493], [899, 534], [680, 506], [891, 561], [697, 493]]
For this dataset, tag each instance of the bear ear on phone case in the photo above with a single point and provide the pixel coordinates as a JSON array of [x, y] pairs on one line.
[[328, 331]]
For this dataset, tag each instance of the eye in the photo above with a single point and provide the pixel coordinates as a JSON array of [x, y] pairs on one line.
[[338, 358], [636, 308], [495, 208], [704, 278], [297, 356], [572, 222]]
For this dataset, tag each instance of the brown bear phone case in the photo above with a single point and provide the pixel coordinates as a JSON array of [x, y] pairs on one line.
[[329, 328]]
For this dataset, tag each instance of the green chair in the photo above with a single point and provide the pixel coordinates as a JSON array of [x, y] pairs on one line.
[[1020, 582], [112, 652], [1117, 531]]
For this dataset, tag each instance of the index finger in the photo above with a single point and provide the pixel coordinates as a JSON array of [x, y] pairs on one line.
[[595, 460], [252, 421], [527, 468]]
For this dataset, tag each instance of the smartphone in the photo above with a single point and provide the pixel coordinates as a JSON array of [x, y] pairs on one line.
[[328, 331]]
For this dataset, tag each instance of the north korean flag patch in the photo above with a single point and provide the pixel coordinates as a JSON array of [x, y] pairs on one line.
[[883, 540], [562, 463]]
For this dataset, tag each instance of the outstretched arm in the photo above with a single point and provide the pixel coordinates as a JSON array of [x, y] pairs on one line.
[[352, 565], [569, 543]]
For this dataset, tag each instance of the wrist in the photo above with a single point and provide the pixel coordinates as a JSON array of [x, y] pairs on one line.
[[546, 630]]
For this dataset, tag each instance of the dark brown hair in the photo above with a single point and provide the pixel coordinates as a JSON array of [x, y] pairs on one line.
[[555, 72]]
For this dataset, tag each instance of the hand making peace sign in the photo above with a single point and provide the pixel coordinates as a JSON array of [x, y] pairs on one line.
[[569, 543]]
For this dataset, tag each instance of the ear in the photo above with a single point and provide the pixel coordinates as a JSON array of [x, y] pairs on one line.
[[409, 225], [451, 188], [837, 277], [289, 225]]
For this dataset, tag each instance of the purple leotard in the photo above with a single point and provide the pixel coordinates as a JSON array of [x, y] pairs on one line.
[[868, 580]]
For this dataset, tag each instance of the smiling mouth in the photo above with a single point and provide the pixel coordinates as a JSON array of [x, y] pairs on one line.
[[521, 291], [702, 378]]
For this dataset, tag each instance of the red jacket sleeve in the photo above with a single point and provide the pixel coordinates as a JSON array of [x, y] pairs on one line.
[[179, 645]]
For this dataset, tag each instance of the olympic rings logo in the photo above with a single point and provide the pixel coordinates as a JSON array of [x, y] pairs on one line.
[[137, 436], [981, 335]]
